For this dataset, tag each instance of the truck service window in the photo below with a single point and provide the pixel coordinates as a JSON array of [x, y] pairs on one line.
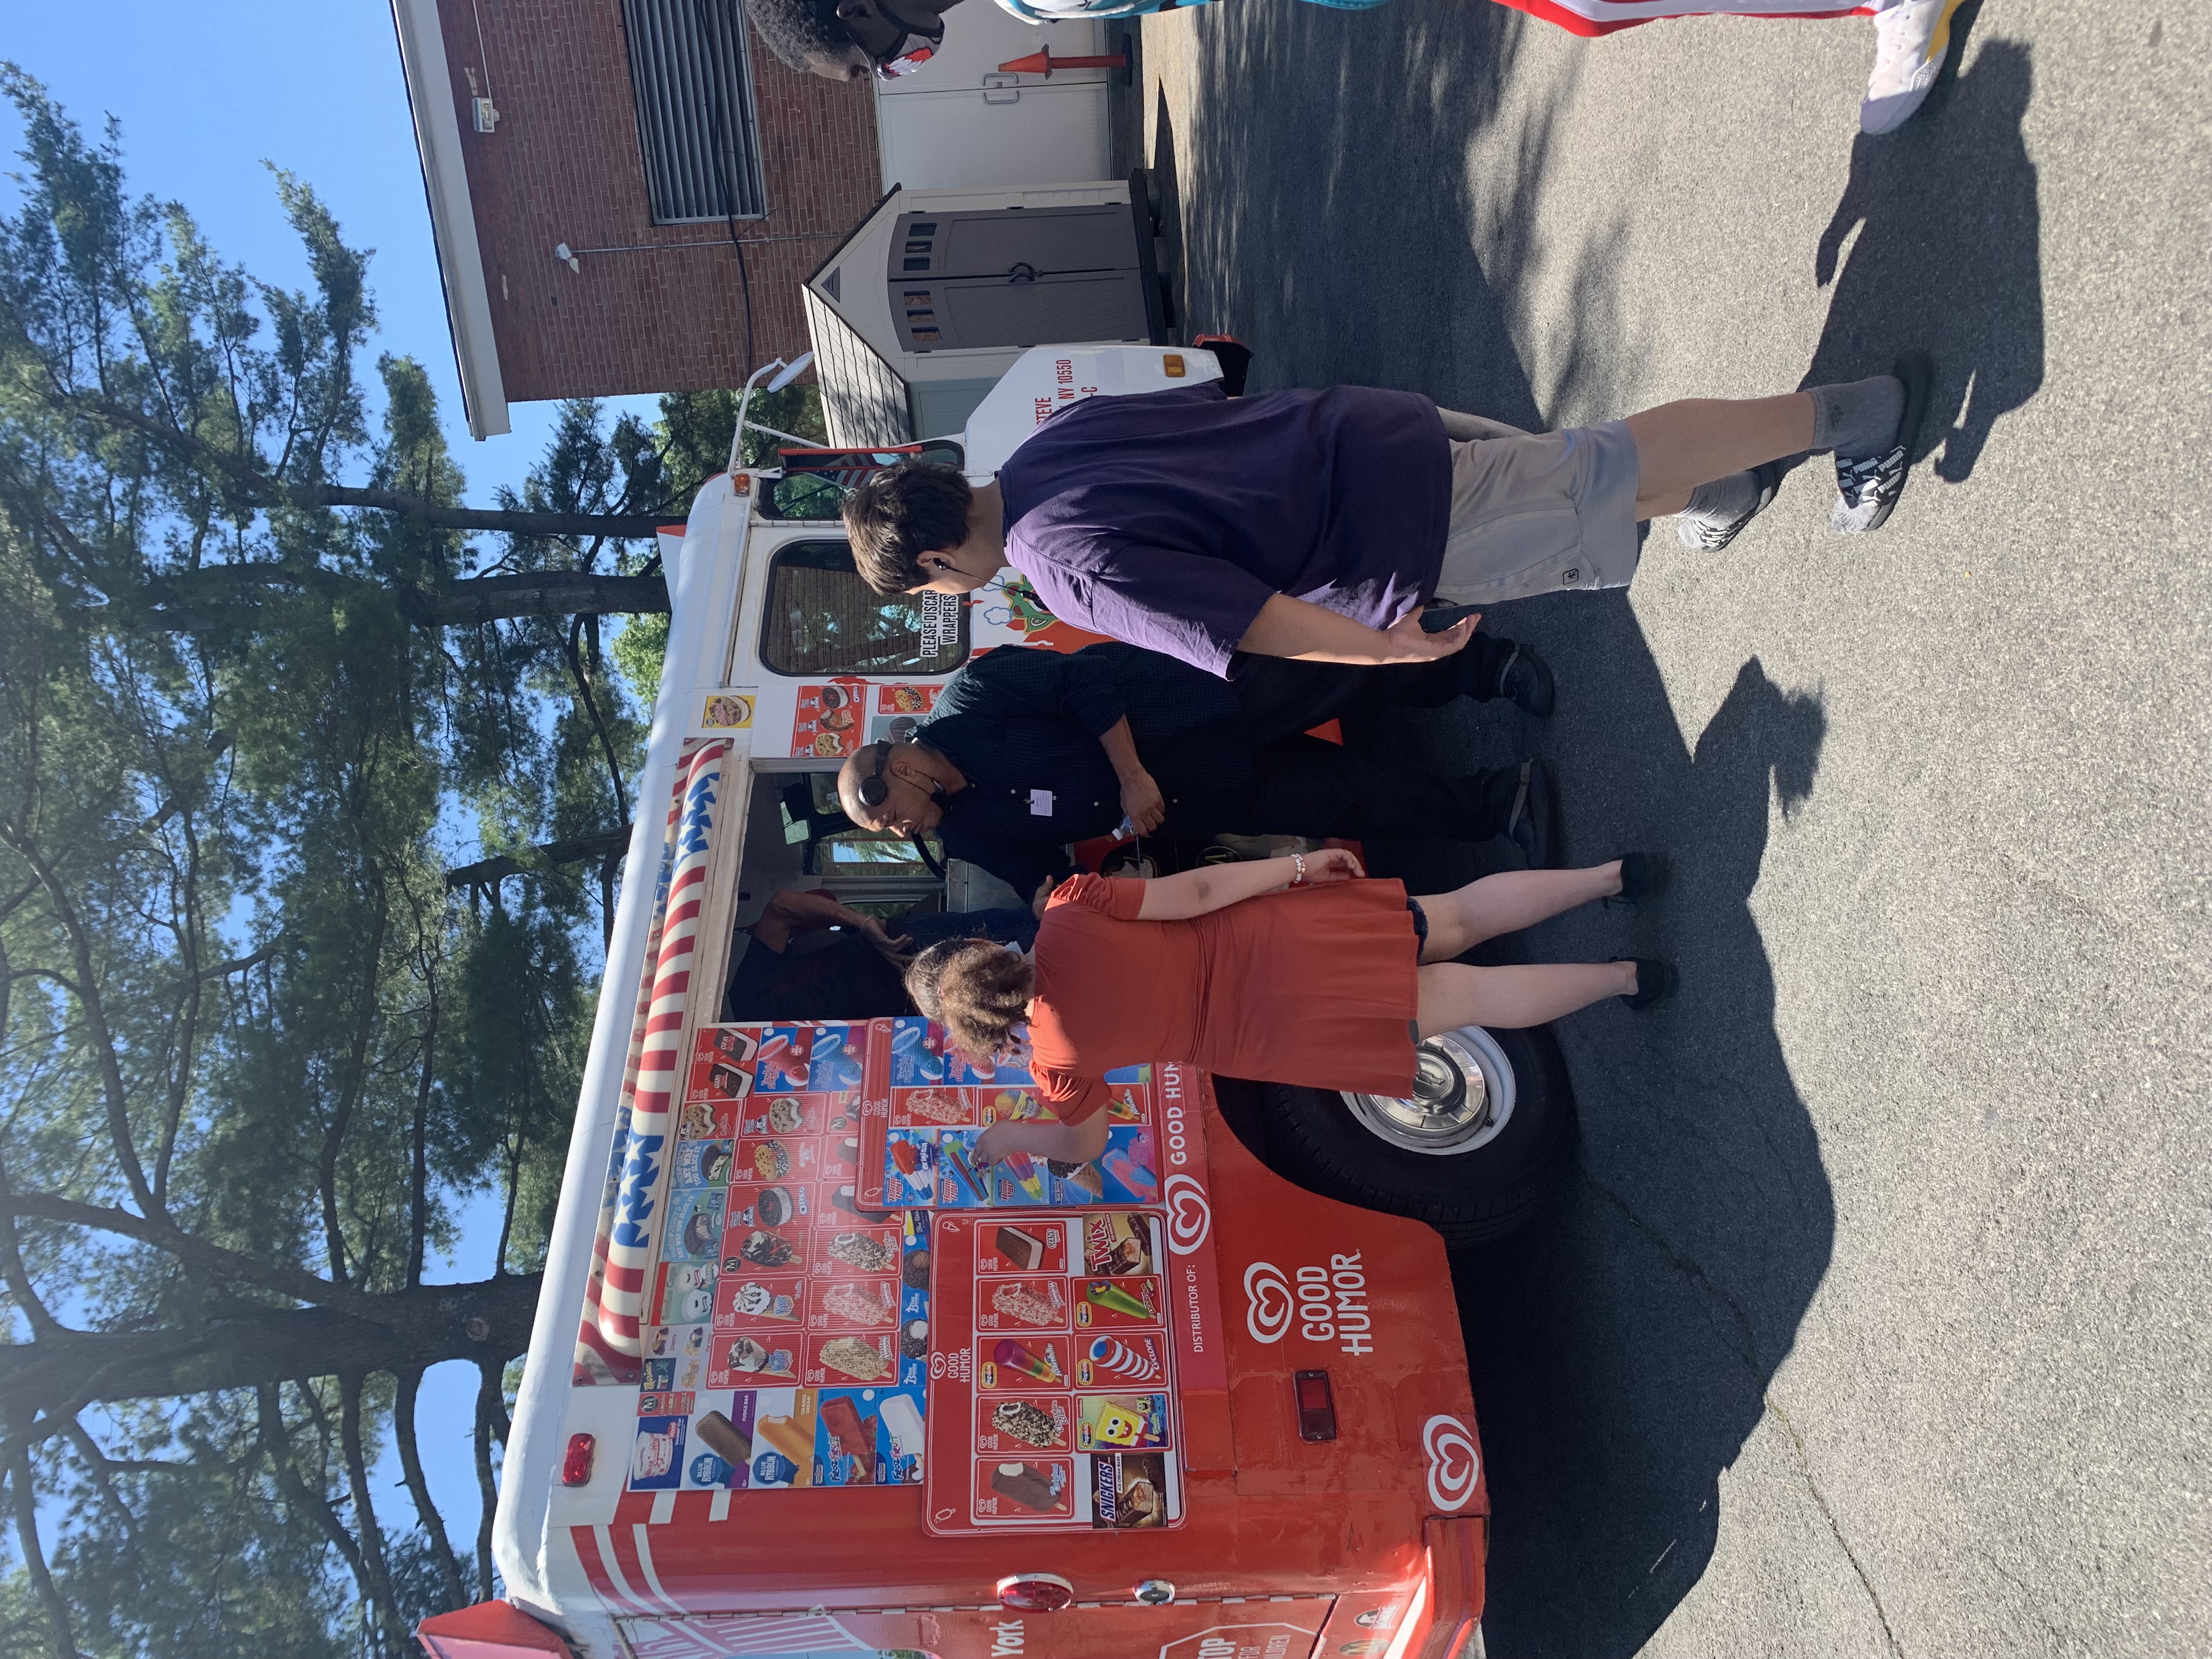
[[821, 618]]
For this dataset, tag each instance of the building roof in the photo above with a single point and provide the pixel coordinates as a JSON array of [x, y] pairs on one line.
[[863, 398], [453, 219]]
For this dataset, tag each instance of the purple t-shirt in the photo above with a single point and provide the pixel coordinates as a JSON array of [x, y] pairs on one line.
[[1166, 518]]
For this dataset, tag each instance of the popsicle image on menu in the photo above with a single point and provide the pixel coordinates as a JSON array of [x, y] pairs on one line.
[[1039, 1363], [1114, 1301], [1110, 1358]]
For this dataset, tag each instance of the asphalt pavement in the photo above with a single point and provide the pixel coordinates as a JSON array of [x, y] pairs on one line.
[[1875, 1321]]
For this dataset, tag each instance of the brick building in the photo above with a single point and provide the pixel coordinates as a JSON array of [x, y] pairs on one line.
[[641, 136]]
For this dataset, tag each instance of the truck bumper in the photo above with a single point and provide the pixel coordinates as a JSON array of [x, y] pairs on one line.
[[1457, 1551]]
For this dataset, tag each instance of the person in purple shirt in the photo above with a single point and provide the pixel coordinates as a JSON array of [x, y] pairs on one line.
[[1316, 525]]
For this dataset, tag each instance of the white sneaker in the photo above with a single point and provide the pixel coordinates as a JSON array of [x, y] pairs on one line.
[[1910, 42]]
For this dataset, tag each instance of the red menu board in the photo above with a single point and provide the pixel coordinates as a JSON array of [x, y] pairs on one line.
[[918, 1134], [1053, 1375], [828, 720], [785, 1330]]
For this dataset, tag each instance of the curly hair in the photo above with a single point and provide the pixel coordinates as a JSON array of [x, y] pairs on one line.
[[792, 28], [979, 991], [900, 514]]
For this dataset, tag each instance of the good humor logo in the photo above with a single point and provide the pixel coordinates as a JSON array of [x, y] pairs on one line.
[[1328, 1305], [1267, 1301], [1190, 1217], [1454, 1465]]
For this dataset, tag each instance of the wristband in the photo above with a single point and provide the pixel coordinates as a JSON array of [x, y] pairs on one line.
[[1298, 860]]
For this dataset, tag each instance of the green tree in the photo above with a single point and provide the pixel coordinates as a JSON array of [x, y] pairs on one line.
[[258, 1037]]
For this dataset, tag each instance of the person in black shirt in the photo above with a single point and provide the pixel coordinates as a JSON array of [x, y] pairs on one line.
[[1028, 749], [810, 957]]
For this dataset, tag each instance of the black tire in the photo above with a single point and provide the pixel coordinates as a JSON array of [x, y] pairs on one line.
[[1313, 1139]]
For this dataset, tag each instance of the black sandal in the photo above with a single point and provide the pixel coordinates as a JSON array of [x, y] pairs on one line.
[[1656, 980], [1643, 876]]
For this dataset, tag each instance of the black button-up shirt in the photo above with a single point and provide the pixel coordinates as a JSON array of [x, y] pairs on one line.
[[1019, 720]]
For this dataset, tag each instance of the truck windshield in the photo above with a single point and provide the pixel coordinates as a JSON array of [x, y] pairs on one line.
[[821, 618]]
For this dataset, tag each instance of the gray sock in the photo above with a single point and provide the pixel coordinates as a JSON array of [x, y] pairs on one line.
[[1724, 500], [1857, 417]]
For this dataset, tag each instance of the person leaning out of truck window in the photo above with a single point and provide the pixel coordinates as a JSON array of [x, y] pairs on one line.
[[1317, 525], [1287, 970], [811, 957], [1029, 750]]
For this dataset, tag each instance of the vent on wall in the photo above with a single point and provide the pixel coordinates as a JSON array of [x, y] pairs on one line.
[[690, 74]]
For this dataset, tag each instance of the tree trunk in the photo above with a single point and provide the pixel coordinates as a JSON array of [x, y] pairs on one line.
[[540, 594], [243, 1345], [614, 527], [600, 844], [194, 601]]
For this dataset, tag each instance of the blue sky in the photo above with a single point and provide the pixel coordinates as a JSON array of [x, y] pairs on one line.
[[206, 93]]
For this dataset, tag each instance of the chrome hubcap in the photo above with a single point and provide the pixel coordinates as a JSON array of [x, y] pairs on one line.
[[1462, 1098]]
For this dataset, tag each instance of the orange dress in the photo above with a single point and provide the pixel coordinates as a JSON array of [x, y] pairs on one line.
[[1316, 986]]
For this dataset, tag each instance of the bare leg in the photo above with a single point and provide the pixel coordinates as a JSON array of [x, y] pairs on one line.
[[1679, 446], [1507, 902], [1453, 994]]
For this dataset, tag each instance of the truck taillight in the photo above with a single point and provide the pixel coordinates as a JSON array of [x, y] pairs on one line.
[[1317, 1408], [576, 1465], [1035, 1592]]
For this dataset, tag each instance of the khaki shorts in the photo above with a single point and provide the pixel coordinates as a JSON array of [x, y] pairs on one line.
[[1541, 513]]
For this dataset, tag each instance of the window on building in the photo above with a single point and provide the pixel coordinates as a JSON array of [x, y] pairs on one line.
[[691, 73], [823, 619]]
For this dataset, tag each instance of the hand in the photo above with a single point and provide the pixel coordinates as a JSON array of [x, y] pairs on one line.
[[874, 932], [1043, 893], [1411, 642], [1142, 800], [1330, 865], [996, 1143]]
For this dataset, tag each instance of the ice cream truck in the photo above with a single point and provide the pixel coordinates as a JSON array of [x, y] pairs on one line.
[[806, 1379]]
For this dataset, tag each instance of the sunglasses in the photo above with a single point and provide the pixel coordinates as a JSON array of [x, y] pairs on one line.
[[910, 53]]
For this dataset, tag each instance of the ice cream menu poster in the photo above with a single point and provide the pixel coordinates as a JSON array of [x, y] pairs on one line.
[[918, 1134], [786, 1325], [1052, 1374]]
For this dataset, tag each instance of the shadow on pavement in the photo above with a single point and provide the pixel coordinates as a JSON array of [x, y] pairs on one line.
[[1621, 1347], [1947, 255]]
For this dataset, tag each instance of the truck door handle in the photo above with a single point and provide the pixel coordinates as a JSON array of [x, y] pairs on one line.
[[1001, 89], [1021, 272]]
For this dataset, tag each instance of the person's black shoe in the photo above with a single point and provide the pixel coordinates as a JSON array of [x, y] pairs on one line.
[[1525, 681], [1533, 825], [1655, 980], [1643, 876]]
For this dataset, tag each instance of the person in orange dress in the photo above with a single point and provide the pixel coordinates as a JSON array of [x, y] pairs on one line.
[[1296, 970]]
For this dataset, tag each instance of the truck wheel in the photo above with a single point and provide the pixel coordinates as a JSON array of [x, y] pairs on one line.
[[1483, 1144]]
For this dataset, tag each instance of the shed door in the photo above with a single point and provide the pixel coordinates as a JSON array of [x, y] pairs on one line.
[[990, 241], [1017, 276]]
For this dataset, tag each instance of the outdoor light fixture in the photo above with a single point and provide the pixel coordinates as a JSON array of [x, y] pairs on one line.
[[785, 375], [561, 253]]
